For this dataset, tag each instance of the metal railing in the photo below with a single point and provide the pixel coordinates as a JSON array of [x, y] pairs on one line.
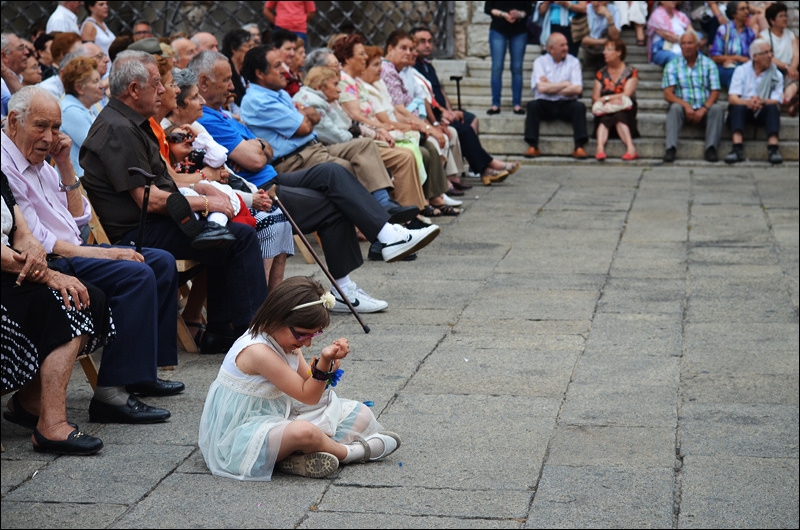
[[374, 20]]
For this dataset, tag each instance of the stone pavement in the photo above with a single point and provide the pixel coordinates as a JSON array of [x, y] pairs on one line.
[[587, 346]]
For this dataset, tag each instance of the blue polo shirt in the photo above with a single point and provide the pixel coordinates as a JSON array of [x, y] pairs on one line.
[[273, 117], [230, 133]]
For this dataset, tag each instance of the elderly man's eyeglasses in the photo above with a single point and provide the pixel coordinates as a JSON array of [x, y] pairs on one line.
[[762, 53], [179, 137], [300, 337]]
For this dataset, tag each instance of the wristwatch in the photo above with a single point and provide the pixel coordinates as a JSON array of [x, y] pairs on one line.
[[73, 186], [263, 145]]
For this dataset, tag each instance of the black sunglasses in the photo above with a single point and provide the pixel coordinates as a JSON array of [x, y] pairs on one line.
[[178, 137]]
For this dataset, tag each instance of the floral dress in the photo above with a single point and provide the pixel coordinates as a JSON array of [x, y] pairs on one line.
[[244, 416], [608, 87]]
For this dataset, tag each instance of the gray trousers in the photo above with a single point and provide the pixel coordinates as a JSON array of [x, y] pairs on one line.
[[714, 119]]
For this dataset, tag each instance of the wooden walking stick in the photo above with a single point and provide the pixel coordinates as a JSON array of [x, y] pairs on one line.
[[322, 266]]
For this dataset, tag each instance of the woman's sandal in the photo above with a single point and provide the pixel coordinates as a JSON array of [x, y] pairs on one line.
[[430, 211], [446, 210], [201, 328], [512, 167]]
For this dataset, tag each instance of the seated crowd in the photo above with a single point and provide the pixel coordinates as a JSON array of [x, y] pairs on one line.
[[181, 149], [182, 145], [744, 49]]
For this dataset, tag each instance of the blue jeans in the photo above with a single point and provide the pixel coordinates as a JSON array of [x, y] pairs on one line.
[[516, 44]]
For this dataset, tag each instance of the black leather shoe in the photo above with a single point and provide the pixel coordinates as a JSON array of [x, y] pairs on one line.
[[711, 154], [213, 236], [132, 412], [669, 155], [181, 212], [401, 214], [774, 157], [213, 343], [77, 443], [375, 254], [159, 388]]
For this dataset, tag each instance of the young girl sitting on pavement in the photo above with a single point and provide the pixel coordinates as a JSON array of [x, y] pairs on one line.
[[269, 408]]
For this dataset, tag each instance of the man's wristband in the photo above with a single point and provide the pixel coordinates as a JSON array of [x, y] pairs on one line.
[[205, 212], [69, 187], [263, 145]]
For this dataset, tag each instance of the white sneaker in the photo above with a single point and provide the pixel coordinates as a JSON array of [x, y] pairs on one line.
[[449, 201], [412, 241], [361, 301]]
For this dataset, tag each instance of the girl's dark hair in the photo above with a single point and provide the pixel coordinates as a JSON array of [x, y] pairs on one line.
[[343, 47], [276, 310], [233, 40]]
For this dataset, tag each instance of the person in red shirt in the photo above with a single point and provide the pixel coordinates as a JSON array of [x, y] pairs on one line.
[[291, 16]]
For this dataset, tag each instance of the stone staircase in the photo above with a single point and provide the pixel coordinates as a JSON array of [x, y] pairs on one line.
[[502, 134]]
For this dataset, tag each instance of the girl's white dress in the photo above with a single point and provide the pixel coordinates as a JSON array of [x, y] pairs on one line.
[[244, 417]]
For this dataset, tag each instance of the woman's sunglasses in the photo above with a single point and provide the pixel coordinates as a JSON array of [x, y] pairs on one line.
[[178, 137]]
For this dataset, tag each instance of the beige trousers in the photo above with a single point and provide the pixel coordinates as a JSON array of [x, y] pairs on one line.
[[359, 156]]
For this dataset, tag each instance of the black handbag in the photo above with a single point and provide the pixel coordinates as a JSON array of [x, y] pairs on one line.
[[533, 27]]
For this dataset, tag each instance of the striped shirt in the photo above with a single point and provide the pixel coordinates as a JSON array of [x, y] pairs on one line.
[[692, 85]]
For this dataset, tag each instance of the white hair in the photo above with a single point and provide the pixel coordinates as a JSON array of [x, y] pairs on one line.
[[758, 45], [129, 66], [20, 102]]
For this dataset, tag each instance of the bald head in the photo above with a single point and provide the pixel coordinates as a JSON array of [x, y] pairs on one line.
[[205, 41], [185, 50], [557, 46]]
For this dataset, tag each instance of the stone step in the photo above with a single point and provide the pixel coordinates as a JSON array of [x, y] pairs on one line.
[[650, 125], [513, 146], [480, 102], [645, 90]]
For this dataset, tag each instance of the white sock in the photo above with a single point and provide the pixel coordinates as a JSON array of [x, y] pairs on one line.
[[219, 218], [355, 452], [344, 283], [391, 233]]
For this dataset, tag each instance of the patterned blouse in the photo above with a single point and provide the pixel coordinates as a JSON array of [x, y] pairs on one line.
[[608, 86], [394, 83]]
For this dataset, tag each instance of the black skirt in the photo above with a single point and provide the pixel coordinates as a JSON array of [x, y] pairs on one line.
[[35, 322]]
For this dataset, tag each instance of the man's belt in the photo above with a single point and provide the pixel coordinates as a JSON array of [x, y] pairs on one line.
[[281, 159]]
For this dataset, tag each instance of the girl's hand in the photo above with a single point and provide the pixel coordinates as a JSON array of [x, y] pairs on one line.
[[330, 355]]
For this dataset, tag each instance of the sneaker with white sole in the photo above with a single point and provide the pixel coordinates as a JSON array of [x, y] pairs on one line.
[[313, 465], [361, 301], [410, 242]]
